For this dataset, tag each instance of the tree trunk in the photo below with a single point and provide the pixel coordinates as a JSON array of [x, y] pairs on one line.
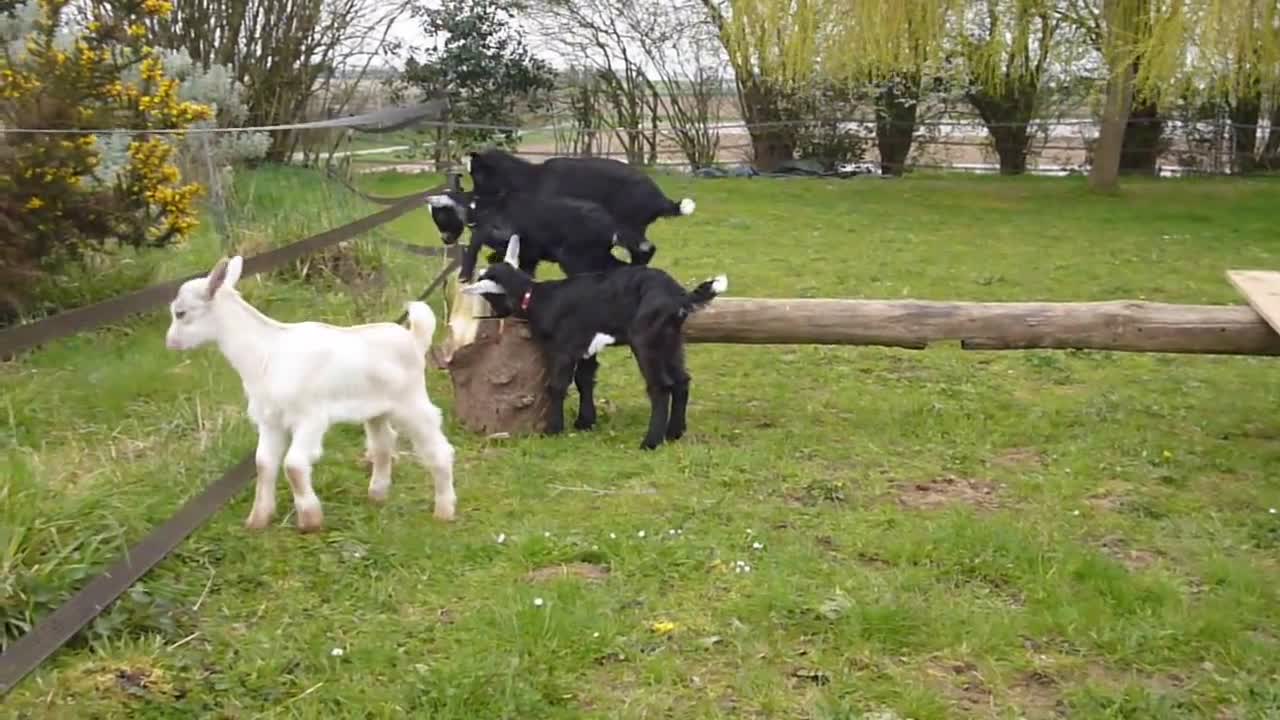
[[1271, 154], [773, 144], [1140, 148], [1006, 116], [499, 375], [1245, 114], [500, 381], [1105, 174], [896, 108]]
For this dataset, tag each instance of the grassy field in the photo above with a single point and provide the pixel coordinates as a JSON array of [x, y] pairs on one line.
[[844, 532]]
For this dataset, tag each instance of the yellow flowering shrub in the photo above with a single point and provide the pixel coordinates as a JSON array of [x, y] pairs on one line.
[[56, 199]]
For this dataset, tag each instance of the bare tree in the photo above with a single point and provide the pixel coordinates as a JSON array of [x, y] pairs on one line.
[[596, 34], [290, 54]]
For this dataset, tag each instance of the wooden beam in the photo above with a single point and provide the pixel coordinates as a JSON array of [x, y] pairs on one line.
[[1262, 289], [1120, 325]]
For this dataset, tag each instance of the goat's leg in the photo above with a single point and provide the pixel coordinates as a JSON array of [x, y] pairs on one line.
[[638, 246], [271, 445], [560, 368], [306, 448], [584, 378], [423, 424], [658, 385], [467, 271], [679, 397], [380, 440]]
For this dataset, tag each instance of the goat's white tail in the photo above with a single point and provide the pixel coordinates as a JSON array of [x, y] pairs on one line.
[[422, 323]]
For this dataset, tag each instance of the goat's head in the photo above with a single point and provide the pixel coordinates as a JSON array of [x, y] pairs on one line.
[[452, 212], [192, 311], [503, 284]]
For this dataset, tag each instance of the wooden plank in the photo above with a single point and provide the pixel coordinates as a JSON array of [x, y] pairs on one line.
[[1262, 289]]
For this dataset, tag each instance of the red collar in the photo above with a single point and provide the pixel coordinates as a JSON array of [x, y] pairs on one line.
[[524, 301]]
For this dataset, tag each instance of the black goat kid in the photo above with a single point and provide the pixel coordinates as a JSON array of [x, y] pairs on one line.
[[575, 234], [574, 319], [631, 196]]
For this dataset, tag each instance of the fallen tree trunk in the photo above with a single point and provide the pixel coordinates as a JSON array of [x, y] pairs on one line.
[[1116, 325]]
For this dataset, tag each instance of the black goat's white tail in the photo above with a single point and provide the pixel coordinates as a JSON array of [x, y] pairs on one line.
[[706, 292], [683, 207]]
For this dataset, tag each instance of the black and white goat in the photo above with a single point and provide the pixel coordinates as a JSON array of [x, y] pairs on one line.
[[452, 220], [577, 235], [573, 319], [631, 196]]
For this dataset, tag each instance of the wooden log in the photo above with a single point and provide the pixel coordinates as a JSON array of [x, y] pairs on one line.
[[1121, 325]]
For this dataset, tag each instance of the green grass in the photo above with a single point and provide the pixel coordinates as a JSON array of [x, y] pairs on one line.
[[942, 533]]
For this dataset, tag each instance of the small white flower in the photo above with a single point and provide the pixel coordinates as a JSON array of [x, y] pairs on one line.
[[1273, 511], [595, 547], [671, 531], [546, 533], [595, 634], [337, 652], [1075, 512], [750, 531], [502, 537], [537, 602], [613, 536], [640, 534], [757, 546]]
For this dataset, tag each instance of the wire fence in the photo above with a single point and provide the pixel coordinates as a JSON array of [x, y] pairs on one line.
[[1055, 146]]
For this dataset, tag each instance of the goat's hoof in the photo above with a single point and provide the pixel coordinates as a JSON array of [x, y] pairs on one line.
[[310, 520], [648, 444], [258, 521], [584, 423], [379, 496], [675, 433], [444, 513]]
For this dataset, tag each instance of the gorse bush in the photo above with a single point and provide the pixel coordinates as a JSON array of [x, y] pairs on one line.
[[57, 199]]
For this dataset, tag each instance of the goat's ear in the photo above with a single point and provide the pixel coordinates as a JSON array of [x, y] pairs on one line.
[[513, 252], [216, 277], [440, 201], [234, 268], [483, 287]]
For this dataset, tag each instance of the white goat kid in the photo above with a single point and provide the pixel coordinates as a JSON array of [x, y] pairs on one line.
[[301, 378]]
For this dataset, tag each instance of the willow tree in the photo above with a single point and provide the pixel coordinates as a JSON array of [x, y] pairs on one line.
[[896, 45], [773, 47], [1005, 47], [1241, 51]]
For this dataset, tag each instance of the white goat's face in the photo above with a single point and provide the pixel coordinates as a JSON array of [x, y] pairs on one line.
[[192, 321]]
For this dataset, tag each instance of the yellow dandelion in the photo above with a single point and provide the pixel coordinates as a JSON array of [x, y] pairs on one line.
[[662, 627], [34, 203]]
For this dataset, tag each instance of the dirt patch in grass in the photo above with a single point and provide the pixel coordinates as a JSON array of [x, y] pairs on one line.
[[1019, 458], [1134, 559], [580, 570], [1036, 695], [1106, 502], [963, 686], [949, 490]]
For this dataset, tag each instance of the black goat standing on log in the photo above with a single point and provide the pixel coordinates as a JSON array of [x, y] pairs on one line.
[[578, 235], [574, 319], [626, 192]]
